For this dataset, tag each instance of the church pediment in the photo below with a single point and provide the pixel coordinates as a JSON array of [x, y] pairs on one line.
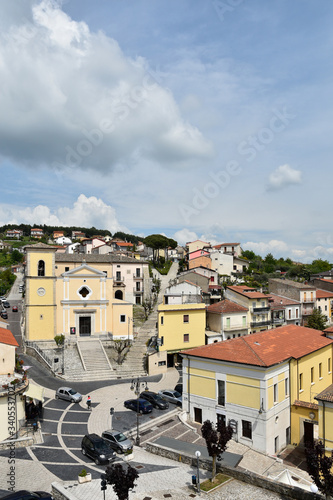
[[83, 271]]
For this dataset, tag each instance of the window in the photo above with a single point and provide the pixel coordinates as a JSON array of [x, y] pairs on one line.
[[41, 268], [320, 370], [325, 308], [123, 318], [312, 375], [221, 392], [137, 285], [276, 444], [275, 390], [244, 320], [66, 269], [288, 435], [221, 418], [228, 322], [118, 276], [286, 387], [161, 363], [246, 429], [138, 272], [162, 320], [212, 279], [105, 272], [162, 340], [301, 381], [296, 313], [186, 318], [289, 313], [329, 365], [186, 337], [84, 292]]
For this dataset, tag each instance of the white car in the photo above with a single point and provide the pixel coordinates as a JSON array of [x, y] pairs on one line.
[[172, 396], [68, 394]]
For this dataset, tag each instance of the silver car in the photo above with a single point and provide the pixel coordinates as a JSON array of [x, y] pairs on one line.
[[68, 394], [118, 441], [172, 396]]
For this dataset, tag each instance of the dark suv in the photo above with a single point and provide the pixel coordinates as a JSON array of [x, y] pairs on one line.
[[97, 448], [155, 399]]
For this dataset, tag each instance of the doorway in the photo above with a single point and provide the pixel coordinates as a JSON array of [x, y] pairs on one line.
[[85, 326], [308, 433], [198, 415]]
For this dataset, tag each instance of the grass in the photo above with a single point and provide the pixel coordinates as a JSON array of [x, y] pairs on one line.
[[209, 485]]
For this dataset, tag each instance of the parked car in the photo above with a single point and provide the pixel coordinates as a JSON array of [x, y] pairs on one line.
[[172, 396], [155, 399], [179, 388], [4, 314], [14, 309], [118, 441], [97, 448], [68, 394], [141, 404], [28, 495], [6, 304]]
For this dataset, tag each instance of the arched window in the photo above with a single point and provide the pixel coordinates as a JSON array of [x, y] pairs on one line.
[[118, 295], [41, 268]]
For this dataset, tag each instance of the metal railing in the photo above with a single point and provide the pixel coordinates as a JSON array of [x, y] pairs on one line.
[[260, 309], [40, 352], [260, 323]]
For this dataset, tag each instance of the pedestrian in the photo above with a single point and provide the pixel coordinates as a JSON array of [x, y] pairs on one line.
[[89, 403]]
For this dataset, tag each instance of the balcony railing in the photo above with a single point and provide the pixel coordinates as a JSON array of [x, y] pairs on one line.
[[234, 327], [260, 309], [307, 300], [260, 323], [137, 292], [136, 277], [118, 279], [278, 320]]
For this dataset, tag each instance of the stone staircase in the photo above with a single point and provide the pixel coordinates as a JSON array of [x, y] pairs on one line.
[[94, 363]]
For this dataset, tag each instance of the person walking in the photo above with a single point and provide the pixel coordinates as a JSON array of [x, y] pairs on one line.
[[89, 403]]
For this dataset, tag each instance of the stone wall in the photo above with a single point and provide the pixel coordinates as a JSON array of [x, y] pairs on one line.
[[236, 473]]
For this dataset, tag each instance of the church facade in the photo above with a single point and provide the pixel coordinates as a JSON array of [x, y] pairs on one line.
[[73, 294]]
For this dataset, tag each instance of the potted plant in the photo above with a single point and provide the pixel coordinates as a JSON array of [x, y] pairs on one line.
[[128, 455], [84, 476]]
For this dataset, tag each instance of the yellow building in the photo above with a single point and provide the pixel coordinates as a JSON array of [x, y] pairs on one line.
[[180, 326], [72, 297], [325, 417], [264, 385]]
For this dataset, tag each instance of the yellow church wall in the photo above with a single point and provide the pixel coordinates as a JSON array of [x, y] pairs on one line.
[[40, 323], [35, 257], [326, 424]]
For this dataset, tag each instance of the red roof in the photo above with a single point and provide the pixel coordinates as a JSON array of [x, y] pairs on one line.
[[6, 337], [226, 306], [321, 294], [265, 348], [248, 292]]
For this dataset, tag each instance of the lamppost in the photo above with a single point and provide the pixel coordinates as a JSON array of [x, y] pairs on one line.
[[198, 455], [136, 384], [128, 329]]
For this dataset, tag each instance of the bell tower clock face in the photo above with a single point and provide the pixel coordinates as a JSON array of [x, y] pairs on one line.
[[41, 291]]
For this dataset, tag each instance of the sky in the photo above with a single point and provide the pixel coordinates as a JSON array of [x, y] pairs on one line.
[[207, 119]]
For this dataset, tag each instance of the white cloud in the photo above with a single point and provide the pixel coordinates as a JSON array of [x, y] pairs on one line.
[[284, 176], [184, 236], [273, 246], [71, 98], [85, 212], [299, 254]]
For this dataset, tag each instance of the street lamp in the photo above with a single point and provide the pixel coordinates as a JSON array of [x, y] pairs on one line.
[[198, 455], [135, 386]]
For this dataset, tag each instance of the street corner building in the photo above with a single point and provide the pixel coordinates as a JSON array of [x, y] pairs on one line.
[[273, 387]]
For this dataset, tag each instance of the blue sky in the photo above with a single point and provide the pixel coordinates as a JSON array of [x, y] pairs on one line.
[[205, 119]]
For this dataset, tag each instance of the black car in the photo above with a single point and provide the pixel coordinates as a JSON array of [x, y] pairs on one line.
[[4, 314], [6, 304], [138, 404], [155, 399], [28, 495], [95, 447]]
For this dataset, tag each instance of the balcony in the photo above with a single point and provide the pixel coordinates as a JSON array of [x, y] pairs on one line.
[[118, 280], [233, 328], [278, 320], [308, 301], [260, 310], [137, 292], [136, 277], [260, 323]]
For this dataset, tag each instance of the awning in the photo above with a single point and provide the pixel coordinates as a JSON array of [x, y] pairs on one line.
[[35, 392]]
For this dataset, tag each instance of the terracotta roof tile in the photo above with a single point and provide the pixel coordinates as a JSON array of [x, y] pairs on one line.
[[6, 337], [326, 394], [226, 306], [248, 292], [305, 404], [265, 348], [321, 294]]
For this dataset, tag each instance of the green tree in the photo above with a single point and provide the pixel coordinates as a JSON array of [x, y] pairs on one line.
[[122, 479], [216, 438], [317, 320], [319, 468]]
